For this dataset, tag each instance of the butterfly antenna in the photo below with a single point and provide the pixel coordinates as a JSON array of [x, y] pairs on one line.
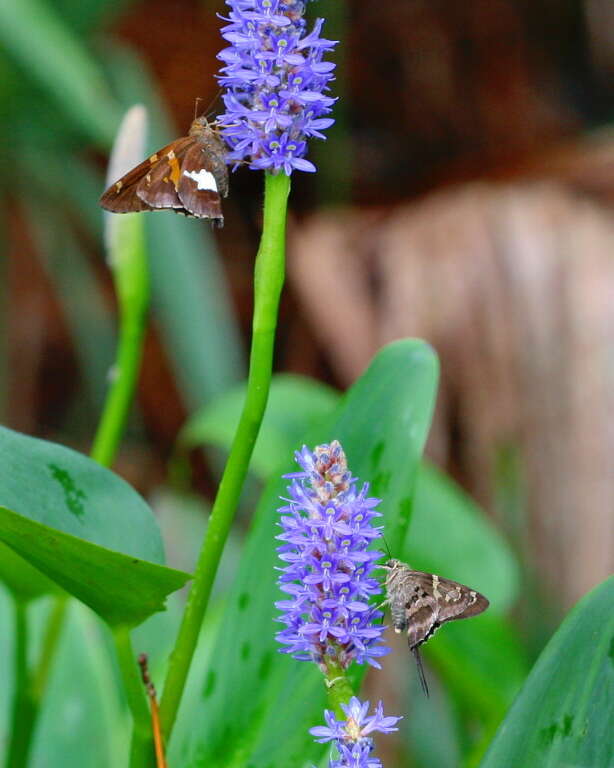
[[210, 110], [196, 100], [155, 714], [387, 547], [421, 675]]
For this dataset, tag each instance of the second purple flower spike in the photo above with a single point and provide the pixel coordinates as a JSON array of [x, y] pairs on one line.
[[327, 529]]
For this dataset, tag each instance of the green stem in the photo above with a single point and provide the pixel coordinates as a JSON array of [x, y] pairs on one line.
[[133, 684], [24, 708], [141, 747], [53, 632], [268, 282], [338, 688]]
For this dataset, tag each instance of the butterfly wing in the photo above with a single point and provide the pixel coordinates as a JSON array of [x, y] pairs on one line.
[[434, 600], [198, 186], [159, 186], [124, 196], [421, 602], [121, 196]]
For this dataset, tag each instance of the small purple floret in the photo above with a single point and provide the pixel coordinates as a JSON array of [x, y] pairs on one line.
[[276, 84], [327, 573], [352, 737]]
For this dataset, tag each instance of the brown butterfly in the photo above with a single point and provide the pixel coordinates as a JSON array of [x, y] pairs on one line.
[[421, 602], [188, 176]]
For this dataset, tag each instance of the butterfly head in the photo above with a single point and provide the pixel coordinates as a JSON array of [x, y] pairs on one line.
[[201, 125]]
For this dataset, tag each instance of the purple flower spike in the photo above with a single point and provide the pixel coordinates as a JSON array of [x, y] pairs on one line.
[[327, 573], [352, 737], [276, 84]]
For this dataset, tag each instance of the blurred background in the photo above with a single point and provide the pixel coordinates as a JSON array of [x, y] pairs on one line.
[[464, 196]]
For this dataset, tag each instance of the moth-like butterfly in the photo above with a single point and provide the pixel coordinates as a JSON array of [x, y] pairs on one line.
[[188, 176], [421, 602]]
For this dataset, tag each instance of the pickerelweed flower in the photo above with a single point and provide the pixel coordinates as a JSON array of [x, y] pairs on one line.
[[327, 528], [352, 737], [275, 84]]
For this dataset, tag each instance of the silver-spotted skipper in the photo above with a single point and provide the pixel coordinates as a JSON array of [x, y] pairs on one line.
[[421, 602], [188, 176]]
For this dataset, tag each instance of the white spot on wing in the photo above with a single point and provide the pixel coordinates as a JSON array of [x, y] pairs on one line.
[[204, 179]]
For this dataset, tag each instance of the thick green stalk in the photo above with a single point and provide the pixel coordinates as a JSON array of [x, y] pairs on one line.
[[338, 688], [268, 282], [22, 718]]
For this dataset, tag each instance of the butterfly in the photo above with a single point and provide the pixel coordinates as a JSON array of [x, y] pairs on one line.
[[421, 602], [188, 176]]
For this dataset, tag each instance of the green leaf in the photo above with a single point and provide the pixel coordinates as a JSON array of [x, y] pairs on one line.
[[64, 489], [84, 528], [295, 405], [253, 690], [467, 547], [122, 590], [563, 715], [51, 55], [81, 706], [22, 579]]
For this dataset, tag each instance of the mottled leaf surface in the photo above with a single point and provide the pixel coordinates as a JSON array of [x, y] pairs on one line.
[[563, 714]]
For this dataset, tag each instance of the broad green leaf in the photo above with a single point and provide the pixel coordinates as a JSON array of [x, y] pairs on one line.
[[83, 527], [82, 721], [466, 546], [49, 53], [63, 489], [295, 405], [256, 692], [21, 578], [123, 590], [563, 714]]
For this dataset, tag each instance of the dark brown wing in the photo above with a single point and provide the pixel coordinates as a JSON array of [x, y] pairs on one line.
[[122, 197], [198, 188], [433, 601], [158, 188]]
